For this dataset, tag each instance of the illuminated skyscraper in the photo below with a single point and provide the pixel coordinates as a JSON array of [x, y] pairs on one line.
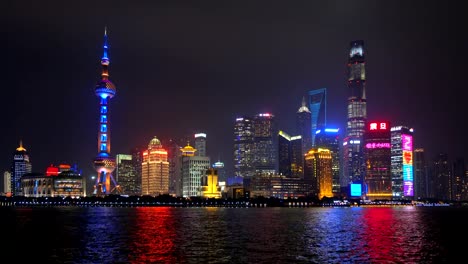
[[328, 138], [200, 144], [155, 170], [353, 160], [318, 172], [193, 168], [21, 165], [126, 174], [137, 160], [318, 109], [304, 126], [402, 162], [244, 147], [104, 163], [378, 177], [290, 158], [265, 148]]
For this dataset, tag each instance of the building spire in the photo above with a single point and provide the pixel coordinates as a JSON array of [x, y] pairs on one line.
[[105, 57], [304, 107], [20, 148]]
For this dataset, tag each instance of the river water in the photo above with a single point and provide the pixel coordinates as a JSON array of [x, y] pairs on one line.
[[404, 234]]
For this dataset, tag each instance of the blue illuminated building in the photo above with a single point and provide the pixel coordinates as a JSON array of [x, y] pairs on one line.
[[329, 138], [318, 109], [104, 163]]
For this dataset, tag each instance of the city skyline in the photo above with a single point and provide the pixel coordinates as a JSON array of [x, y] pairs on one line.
[[182, 70]]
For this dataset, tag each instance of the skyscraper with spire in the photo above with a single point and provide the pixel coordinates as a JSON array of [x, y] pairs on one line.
[[304, 127], [104, 163], [318, 110], [353, 154], [20, 166]]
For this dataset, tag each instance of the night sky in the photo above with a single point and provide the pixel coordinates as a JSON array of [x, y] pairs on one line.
[[181, 68]]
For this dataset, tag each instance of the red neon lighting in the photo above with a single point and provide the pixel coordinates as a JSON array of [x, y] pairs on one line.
[[407, 157], [378, 126], [52, 171]]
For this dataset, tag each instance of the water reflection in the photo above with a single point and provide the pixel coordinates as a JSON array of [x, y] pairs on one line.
[[236, 235], [153, 236]]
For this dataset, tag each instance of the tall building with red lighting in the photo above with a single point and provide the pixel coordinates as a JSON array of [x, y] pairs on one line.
[[378, 179], [155, 170], [104, 163], [353, 150]]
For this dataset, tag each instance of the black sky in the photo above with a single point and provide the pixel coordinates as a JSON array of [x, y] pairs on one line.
[[182, 67]]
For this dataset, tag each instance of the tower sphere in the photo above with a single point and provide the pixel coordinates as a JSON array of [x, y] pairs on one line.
[[105, 88]]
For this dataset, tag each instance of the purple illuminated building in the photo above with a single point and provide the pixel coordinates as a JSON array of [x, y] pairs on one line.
[[402, 162]]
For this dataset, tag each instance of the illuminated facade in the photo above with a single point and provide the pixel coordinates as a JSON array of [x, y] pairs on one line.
[[378, 179], [155, 170], [244, 147], [328, 138], [65, 184], [318, 109], [402, 162], [318, 172], [193, 168], [353, 150], [126, 174], [137, 160], [6, 186], [278, 186], [104, 163], [265, 148], [304, 126], [69, 184], [290, 158], [200, 144], [21, 165], [37, 185], [209, 184]]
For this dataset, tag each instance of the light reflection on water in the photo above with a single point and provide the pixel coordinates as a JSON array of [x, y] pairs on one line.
[[236, 235]]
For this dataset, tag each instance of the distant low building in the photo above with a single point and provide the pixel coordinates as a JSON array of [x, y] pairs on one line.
[[65, 184]]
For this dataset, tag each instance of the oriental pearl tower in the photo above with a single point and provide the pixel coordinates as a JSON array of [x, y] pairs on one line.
[[104, 163]]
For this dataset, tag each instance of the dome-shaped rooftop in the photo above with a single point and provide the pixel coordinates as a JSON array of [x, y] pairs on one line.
[[154, 143]]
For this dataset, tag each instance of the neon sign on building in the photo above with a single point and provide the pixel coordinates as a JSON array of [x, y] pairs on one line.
[[408, 181], [377, 145], [378, 126]]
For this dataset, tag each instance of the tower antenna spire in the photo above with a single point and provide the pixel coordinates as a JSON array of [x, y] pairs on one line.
[[104, 163]]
